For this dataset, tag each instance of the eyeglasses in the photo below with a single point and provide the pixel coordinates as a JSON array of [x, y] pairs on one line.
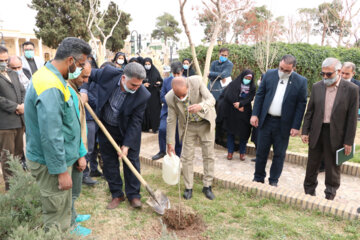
[[82, 65], [327, 74]]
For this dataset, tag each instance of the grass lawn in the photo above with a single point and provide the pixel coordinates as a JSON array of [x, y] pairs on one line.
[[297, 146], [232, 215]]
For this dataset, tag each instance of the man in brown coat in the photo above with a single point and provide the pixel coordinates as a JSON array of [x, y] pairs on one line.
[[329, 124], [191, 104], [12, 95]]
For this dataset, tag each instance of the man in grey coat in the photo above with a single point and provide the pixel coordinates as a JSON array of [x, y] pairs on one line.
[[12, 95]]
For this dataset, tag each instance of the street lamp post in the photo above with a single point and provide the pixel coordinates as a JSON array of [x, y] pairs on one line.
[[138, 41], [2, 40]]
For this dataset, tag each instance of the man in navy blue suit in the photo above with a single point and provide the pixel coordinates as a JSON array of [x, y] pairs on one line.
[[121, 104], [177, 71], [279, 107]]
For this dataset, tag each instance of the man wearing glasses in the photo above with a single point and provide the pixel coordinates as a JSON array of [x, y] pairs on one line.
[[279, 107], [53, 133], [329, 124]]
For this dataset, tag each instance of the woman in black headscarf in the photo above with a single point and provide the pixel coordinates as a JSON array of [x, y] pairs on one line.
[[120, 60], [188, 71], [237, 111], [153, 83], [134, 59]]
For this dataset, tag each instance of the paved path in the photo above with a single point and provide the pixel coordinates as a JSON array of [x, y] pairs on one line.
[[292, 176]]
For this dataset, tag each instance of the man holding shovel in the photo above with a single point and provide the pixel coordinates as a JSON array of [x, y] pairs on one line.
[[193, 106], [121, 104]]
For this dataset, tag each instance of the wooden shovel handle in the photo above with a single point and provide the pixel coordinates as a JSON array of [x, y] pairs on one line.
[[117, 148]]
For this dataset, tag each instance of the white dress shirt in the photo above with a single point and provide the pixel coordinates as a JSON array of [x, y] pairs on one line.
[[276, 104], [24, 80]]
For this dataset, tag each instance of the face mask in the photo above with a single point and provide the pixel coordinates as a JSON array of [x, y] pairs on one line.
[[182, 100], [246, 81], [19, 72], [283, 75], [3, 66], [29, 54], [186, 67], [127, 89], [223, 59], [147, 67], [348, 79], [329, 81], [120, 61], [75, 74]]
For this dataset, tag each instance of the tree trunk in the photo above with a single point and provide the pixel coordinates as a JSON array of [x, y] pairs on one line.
[[323, 36], [210, 50], [187, 32]]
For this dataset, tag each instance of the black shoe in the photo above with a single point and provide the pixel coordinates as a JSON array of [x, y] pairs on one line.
[[96, 173], [158, 156], [187, 194], [253, 160], [89, 181], [358, 210], [258, 181], [208, 193], [274, 184]]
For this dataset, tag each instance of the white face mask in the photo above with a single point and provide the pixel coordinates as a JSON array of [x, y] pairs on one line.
[[120, 61], [283, 75], [181, 100], [147, 67], [347, 79]]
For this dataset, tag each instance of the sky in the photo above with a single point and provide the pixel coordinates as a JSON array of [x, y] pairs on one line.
[[16, 15]]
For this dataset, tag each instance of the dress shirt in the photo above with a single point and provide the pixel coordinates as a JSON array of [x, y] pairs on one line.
[[276, 104], [113, 106], [329, 101]]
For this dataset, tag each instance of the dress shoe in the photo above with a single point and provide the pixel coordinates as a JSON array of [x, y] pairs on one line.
[[259, 181], [115, 202], [329, 196], [89, 181], [229, 156], [187, 194], [358, 210], [242, 156], [96, 173], [208, 193], [253, 159], [135, 203], [274, 184], [158, 156]]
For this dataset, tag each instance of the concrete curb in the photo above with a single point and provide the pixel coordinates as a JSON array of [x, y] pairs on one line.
[[282, 194]]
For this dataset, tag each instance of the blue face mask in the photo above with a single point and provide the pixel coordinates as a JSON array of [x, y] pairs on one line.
[[127, 89], [19, 72], [75, 74], [186, 67], [246, 81], [29, 54], [223, 59]]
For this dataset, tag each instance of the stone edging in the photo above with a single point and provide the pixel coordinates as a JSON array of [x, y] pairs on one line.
[[284, 195], [348, 168]]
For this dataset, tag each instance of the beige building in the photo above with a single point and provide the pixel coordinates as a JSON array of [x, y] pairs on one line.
[[14, 40]]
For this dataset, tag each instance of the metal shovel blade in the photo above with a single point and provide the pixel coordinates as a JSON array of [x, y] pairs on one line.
[[160, 203]]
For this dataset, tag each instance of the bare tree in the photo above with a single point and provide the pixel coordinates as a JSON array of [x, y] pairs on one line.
[[295, 31], [187, 31], [307, 18], [95, 18], [219, 9], [265, 51]]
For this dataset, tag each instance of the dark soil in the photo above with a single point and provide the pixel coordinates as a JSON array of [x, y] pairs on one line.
[[190, 225]]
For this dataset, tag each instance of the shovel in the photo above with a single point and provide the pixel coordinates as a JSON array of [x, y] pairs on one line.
[[158, 200]]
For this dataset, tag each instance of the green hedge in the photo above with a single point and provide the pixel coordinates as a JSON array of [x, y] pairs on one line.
[[309, 57]]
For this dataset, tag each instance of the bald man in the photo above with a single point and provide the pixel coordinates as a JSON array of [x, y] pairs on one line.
[[77, 172], [15, 64], [191, 104]]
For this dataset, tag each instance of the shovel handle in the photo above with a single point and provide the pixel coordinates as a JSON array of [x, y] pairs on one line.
[[117, 148]]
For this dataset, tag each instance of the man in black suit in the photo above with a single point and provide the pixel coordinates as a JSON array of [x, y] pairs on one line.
[[329, 124], [278, 111], [24, 75], [12, 95], [121, 104]]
